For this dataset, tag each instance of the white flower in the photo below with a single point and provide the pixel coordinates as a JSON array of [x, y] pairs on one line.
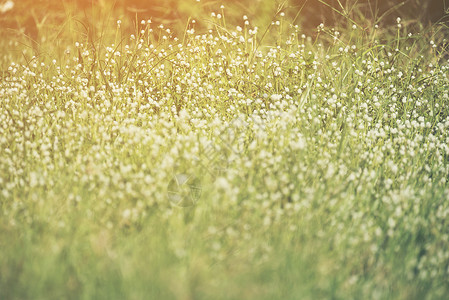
[[7, 6], [276, 97]]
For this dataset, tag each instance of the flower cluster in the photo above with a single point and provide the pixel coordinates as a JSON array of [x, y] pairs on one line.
[[336, 145]]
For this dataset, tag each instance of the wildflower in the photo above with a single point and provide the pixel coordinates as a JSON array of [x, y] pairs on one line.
[[276, 97], [7, 6]]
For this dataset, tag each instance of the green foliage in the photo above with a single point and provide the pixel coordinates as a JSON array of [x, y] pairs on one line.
[[319, 165]]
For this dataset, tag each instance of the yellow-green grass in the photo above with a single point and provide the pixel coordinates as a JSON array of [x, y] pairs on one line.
[[321, 164]]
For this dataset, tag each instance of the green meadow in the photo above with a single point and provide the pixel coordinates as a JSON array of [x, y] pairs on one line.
[[224, 159]]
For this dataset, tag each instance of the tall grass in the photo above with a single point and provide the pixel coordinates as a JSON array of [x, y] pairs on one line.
[[322, 164]]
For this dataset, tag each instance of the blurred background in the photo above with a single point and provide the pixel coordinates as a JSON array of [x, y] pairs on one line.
[[40, 20]]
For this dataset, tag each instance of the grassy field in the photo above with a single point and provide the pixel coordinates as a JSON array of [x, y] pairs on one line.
[[226, 163]]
